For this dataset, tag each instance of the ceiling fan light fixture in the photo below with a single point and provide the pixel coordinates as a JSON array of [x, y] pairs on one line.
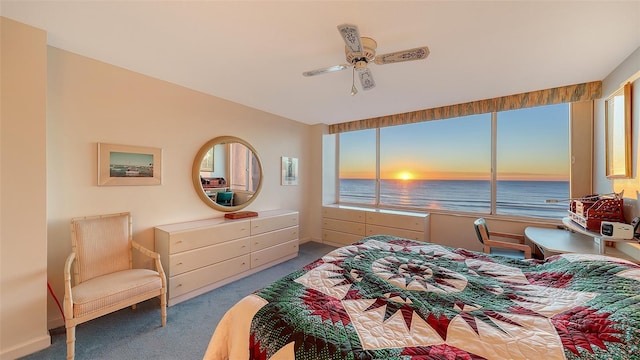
[[360, 65]]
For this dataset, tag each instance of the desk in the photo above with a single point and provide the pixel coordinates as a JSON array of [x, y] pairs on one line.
[[559, 241], [597, 237]]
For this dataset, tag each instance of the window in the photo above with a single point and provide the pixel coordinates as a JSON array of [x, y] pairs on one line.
[[446, 164], [357, 169], [533, 161], [443, 164]]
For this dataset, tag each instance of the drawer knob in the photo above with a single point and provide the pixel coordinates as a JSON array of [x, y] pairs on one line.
[[178, 285], [178, 264]]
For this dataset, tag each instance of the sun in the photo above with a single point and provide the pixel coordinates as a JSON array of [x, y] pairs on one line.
[[405, 175]]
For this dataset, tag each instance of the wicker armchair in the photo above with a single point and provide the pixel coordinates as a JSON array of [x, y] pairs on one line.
[[503, 248], [104, 279]]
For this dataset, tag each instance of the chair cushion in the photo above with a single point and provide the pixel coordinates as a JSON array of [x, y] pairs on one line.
[[510, 253], [110, 289], [102, 245]]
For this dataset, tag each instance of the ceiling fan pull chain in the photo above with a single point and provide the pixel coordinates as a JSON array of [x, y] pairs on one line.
[[353, 83]]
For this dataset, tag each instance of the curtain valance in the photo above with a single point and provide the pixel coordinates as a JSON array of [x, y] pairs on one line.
[[570, 93]]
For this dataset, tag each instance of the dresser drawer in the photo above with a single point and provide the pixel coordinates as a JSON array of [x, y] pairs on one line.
[[272, 238], [343, 214], [415, 223], [404, 233], [187, 240], [261, 257], [262, 225], [354, 228], [340, 238], [196, 279], [208, 255]]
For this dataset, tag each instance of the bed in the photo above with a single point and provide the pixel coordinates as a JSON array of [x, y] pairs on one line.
[[392, 298]]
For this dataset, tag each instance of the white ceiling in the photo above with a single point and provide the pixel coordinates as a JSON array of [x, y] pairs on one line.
[[254, 52]]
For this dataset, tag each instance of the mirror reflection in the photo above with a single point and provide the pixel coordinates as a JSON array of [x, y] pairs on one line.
[[227, 173]]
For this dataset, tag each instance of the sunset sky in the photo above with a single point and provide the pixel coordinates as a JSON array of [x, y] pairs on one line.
[[533, 144]]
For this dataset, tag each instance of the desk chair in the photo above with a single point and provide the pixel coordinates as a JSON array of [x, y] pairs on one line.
[[104, 279], [225, 198], [503, 248]]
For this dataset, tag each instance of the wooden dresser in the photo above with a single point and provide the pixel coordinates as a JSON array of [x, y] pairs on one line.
[[345, 225], [198, 256]]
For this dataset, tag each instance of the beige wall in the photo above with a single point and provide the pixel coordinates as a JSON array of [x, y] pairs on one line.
[[23, 232], [89, 102], [627, 69], [92, 102]]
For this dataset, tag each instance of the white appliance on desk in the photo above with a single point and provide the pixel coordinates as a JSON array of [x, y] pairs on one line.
[[616, 230], [599, 238]]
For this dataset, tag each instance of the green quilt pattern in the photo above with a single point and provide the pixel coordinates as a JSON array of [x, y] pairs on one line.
[[392, 298]]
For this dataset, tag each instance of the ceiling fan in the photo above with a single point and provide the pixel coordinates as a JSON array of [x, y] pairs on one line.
[[360, 51]]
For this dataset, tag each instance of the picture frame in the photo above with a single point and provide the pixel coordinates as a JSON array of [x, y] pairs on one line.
[[129, 165], [289, 170], [617, 112], [207, 161]]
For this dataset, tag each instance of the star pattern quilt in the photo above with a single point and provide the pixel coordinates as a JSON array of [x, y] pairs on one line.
[[392, 298]]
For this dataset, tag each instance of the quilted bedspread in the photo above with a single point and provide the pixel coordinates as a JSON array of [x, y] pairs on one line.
[[392, 298]]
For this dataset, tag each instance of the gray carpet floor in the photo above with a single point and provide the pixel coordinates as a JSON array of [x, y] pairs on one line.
[[137, 334]]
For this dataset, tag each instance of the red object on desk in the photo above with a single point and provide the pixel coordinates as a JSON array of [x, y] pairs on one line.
[[592, 210]]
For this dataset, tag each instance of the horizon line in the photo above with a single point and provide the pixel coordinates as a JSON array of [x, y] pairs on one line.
[[460, 179]]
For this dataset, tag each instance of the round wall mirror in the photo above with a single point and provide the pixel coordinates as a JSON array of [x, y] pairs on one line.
[[227, 173]]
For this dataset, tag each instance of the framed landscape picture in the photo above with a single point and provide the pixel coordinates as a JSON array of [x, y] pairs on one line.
[[129, 165]]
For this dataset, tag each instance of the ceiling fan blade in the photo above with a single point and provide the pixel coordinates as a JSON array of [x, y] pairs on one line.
[[366, 79], [405, 55], [325, 70], [351, 37]]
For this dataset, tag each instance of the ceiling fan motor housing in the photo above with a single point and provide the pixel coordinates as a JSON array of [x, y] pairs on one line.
[[367, 55]]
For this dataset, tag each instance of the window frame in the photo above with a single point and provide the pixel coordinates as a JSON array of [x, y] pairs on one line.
[[584, 139]]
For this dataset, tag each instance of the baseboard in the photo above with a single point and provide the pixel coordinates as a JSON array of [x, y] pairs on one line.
[[630, 249], [26, 348], [55, 322], [333, 244]]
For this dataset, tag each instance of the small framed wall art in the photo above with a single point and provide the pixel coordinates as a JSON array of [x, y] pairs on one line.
[[289, 170], [129, 165]]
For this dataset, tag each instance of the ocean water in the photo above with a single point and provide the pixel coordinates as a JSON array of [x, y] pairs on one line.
[[521, 198]]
